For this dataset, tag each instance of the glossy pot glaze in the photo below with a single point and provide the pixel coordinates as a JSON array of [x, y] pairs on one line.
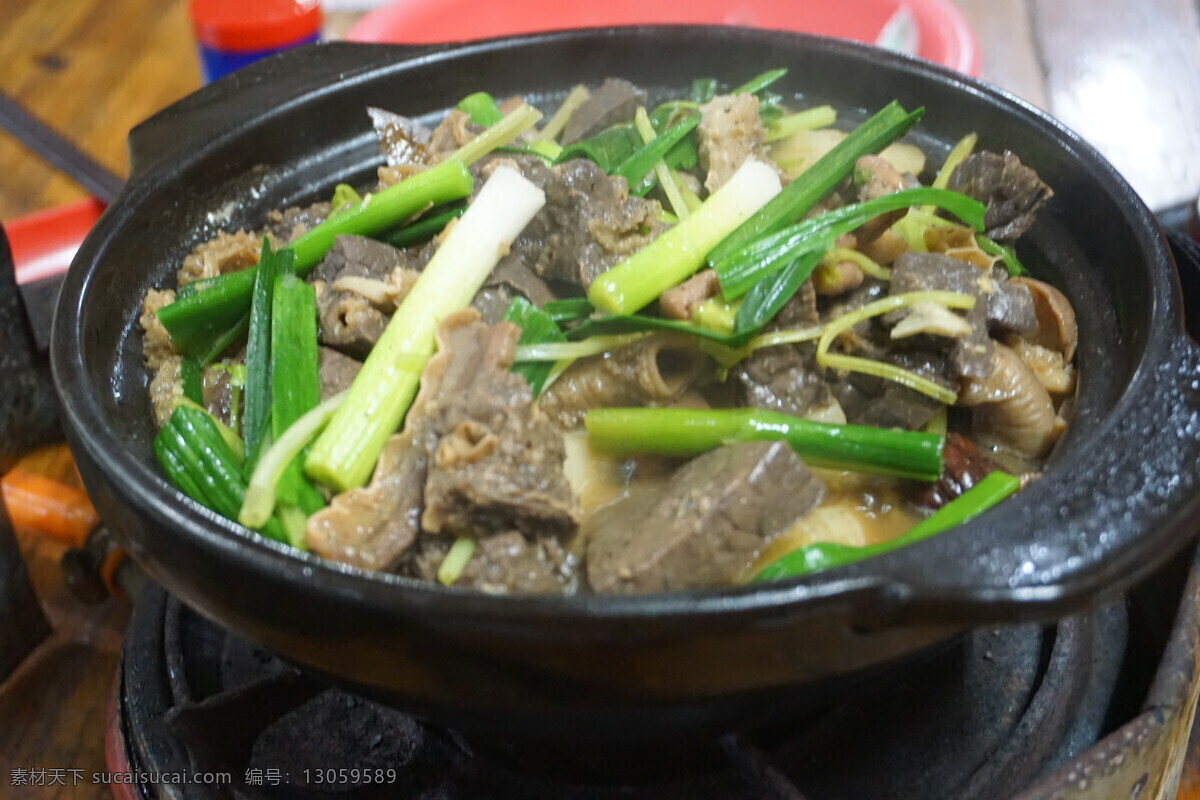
[[1118, 497]]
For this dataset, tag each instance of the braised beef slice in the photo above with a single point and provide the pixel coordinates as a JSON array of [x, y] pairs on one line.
[[614, 101], [999, 304], [362, 257], [372, 527], [347, 320], [289, 223], [1012, 192], [508, 562], [706, 526], [335, 371], [730, 131], [786, 377], [589, 222], [509, 280], [497, 461], [880, 403]]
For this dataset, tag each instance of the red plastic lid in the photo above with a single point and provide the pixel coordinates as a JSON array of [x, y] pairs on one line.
[[249, 25], [931, 29], [44, 242]]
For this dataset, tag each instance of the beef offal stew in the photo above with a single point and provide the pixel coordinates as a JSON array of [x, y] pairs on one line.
[[624, 349]]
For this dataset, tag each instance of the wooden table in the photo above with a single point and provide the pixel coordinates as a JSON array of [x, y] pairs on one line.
[[1126, 75]]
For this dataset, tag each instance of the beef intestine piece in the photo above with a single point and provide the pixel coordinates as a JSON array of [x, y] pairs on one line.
[[652, 371]]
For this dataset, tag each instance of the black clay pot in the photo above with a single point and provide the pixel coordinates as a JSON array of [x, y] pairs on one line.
[[1119, 496]]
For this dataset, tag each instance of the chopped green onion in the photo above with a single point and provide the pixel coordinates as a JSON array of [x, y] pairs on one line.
[[760, 82], [198, 461], [676, 254], [456, 560], [768, 296], [798, 198], [345, 454], [574, 99], [686, 432], [807, 120], [985, 494], [236, 446], [666, 179], [425, 228], [344, 196], [569, 309], [609, 148], [512, 125], [295, 381], [191, 380], [744, 268], [537, 328], [482, 109], [637, 167], [258, 350], [1008, 256], [703, 90]]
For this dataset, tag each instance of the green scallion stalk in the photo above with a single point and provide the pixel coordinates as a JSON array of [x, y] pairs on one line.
[[638, 168], [482, 109], [703, 90], [258, 351], [568, 309], [768, 296], [197, 460], [345, 454], [686, 432], [202, 321], [759, 82], [807, 120], [891, 122], [679, 252], [512, 125], [425, 228], [985, 494], [609, 148], [448, 181], [744, 268], [260, 496], [295, 381], [191, 380], [537, 327], [666, 178]]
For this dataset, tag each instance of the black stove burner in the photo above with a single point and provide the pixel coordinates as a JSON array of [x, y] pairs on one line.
[[980, 718]]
